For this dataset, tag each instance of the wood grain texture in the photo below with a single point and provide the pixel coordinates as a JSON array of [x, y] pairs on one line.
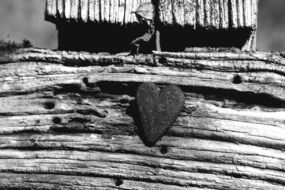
[[235, 19], [68, 121], [203, 13]]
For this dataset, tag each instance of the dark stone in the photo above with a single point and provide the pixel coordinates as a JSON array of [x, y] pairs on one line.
[[158, 110]]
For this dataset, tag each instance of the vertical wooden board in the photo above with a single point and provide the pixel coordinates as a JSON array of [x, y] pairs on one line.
[[60, 10], [121, 12], [215, 13], [207, 13], [165, 9], [240, 15], [200, 13], [74, 9], [247, 13], [97, 10], [254, 12], [116, 10], [134, 6], [222, 14], [226, 14], [178, 12], [101, 11], [111, 14], [104, 10], [67, 9], [49, 7], [107, 10], [91, 13], [190, 12], [233, 13], [54, 8], [84, 10], [128, 5]]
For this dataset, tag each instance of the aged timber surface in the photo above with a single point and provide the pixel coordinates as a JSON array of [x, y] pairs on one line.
[[68, 121], [222, 14]]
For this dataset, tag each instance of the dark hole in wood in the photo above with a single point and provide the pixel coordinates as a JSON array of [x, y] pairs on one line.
[[118, 88], [94, 86], [85, 81], [237, 79], [118, 182], [56, 120], [67, 88], [163, 149], [49, 105]]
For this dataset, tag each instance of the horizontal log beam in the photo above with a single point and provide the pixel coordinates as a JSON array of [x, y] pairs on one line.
[[69, 120]]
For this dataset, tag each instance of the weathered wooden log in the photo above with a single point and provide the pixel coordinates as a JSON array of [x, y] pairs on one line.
[[68, 120]]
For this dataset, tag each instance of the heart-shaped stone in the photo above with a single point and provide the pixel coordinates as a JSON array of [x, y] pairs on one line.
[[158, 110]]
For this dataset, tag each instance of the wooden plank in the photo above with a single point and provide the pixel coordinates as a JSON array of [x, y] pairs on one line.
[[178, 12], [60, 8], [34, 114], [106, 12], [127, 11], [74, 13], [233, 14], [134, 5], [254, 12], [248, 13], [200, 13], [215, 14], [207, 12], [190, 12], [166, 9], [48, 181], [112, 12], [91, 11], [116, 10], [240, 15], [121, 16], [84, 6], [51, 9], [67, 9], [224, 14]]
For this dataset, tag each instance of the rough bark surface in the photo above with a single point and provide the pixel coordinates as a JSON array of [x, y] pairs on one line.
[[68, 121]]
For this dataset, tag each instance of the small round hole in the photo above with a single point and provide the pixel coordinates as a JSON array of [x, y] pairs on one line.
[[163, 149], [85, 81], [237, 79], [49, 105], [118, 182], [56, 120]]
